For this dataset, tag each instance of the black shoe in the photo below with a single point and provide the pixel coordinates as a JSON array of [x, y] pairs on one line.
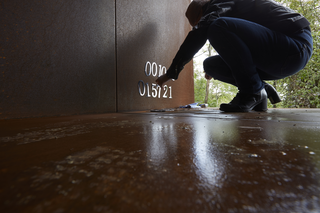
[[246, 102], [272, 93]]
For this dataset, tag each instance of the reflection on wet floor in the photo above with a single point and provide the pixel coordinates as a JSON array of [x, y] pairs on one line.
[[181, 161]]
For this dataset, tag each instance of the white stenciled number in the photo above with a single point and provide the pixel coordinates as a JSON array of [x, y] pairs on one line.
[[152, 69], [148, 68], [165, 88], [154, 90], [162, 70], [141, 84], [159, 93], [148, 90]]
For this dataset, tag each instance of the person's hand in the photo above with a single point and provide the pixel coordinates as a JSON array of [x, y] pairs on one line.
[[208, 77], [162, 79]]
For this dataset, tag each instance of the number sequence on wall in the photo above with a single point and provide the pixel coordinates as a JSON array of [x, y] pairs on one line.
[[153, 90]]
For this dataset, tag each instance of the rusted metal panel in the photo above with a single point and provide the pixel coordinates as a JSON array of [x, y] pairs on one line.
[[57, 57], [149, 34]]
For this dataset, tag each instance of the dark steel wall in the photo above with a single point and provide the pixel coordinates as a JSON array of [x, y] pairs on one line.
[[57, 57], [81, 56]]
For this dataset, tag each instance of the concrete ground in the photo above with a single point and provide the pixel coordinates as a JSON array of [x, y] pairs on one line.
[[174, 161]]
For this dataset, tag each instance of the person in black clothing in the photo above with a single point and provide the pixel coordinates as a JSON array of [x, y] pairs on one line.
[[256, 40]]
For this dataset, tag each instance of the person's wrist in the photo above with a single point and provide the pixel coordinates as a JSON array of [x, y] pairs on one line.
[[168, 77]]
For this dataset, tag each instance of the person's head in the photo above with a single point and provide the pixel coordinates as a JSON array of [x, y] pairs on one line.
[[194, 11]]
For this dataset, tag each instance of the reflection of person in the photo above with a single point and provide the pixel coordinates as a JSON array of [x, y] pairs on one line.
[[256, 40]]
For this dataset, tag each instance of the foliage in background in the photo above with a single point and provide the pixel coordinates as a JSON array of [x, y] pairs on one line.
[[301, 90], [219, 92]]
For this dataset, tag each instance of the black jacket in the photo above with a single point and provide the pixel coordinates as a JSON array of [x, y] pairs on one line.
[[267, 13]]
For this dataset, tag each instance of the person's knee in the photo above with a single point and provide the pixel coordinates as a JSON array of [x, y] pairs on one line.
[[206, 65], [211, 61]]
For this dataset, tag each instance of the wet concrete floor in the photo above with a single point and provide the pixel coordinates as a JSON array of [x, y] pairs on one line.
[[175, 161]]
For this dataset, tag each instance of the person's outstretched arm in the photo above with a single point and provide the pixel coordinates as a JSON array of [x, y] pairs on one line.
[[191, 45]]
